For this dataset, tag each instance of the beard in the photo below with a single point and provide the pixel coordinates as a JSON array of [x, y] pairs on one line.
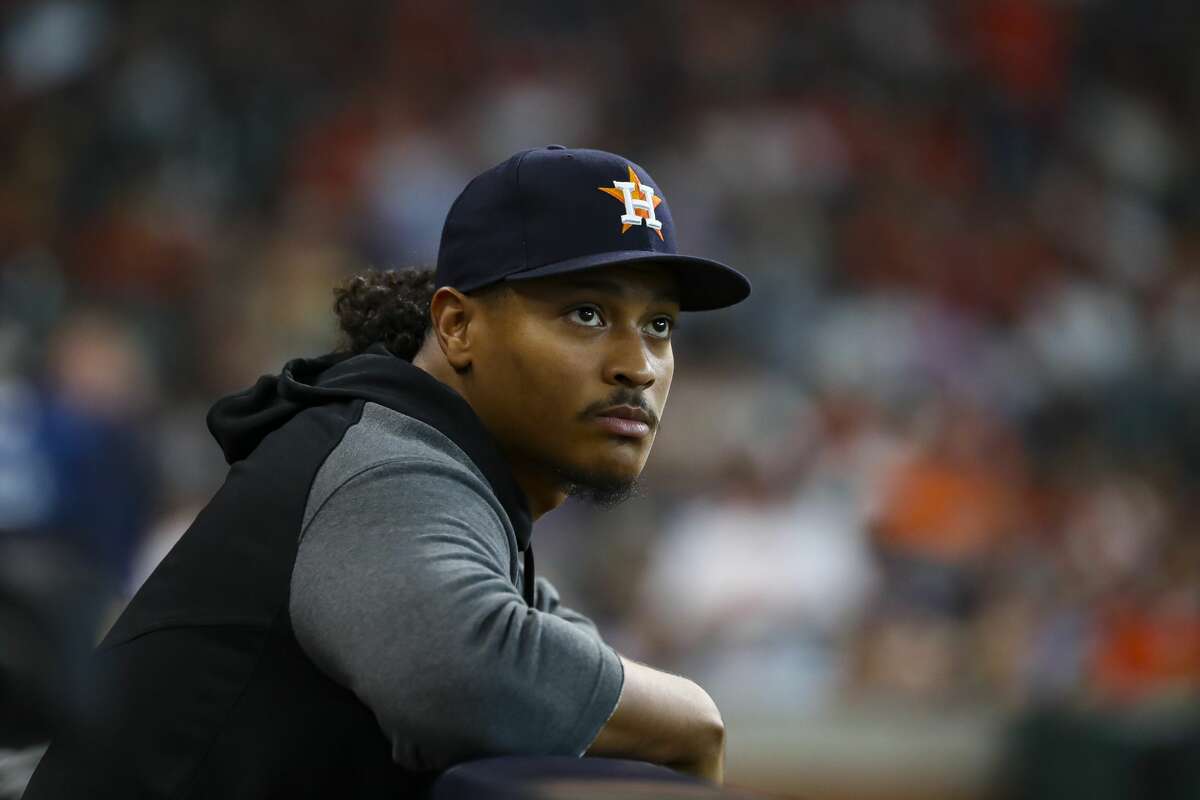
[[596, 488]]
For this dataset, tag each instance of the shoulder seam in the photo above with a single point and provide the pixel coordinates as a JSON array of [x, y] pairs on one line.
[[358, 415]]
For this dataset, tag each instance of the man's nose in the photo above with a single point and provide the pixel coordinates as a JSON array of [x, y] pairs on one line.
[[630, 363]]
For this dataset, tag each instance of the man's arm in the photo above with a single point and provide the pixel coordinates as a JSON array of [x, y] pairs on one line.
[[664, 719], [402, 592], [661, 718]]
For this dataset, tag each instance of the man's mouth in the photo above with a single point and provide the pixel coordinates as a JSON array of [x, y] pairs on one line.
[[629, 421]]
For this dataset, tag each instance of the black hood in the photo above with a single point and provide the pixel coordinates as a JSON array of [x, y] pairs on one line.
[[241, 421]]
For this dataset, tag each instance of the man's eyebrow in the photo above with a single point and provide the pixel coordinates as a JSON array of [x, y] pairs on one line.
[[615, 287]]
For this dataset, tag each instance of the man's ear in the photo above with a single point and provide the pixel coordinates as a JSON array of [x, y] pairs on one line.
[[450, 315]]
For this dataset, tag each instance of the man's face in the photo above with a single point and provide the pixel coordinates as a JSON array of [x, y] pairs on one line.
[[556, 361]]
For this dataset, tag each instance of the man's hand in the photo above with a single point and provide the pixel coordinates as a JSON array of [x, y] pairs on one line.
[[664, 719]]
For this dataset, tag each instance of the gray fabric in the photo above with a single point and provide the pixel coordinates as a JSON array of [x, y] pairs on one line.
[[545, 598], [406, 591]]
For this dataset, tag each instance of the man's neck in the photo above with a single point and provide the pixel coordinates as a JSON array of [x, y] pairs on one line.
[[543, 492]]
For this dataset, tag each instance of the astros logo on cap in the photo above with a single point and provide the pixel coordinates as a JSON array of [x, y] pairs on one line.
[[639, 209]]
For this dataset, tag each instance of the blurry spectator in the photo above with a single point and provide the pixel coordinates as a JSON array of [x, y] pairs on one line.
[[1149, 634], [88, 460], [946, 513], [765, 572], [950, 508]]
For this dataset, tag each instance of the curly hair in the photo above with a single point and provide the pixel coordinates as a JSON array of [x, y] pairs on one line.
[[388, 306]]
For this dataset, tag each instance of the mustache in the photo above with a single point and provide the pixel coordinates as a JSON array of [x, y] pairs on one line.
[[622, 397]]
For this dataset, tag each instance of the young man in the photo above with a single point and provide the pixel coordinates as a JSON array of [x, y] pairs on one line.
[[356, 608]]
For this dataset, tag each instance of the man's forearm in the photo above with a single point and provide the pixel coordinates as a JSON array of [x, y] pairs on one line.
[[664, 719]]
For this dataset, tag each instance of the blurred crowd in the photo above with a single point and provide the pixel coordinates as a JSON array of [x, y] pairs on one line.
[[948, 453]]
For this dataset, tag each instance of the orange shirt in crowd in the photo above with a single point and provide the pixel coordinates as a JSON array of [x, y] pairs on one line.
[[945, 511], [1143, 650]]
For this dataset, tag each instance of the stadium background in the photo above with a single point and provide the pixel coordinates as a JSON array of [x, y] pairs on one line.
[[922, 515]]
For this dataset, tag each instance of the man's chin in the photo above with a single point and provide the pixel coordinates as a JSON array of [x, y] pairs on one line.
[[602, 489]]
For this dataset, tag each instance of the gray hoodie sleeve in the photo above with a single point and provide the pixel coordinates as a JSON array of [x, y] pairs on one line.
[[403, 591]]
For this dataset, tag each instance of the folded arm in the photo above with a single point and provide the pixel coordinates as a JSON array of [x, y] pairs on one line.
[[665, 719], [403, 593]]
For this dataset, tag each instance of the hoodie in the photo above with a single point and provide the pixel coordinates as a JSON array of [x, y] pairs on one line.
[[354, 611]]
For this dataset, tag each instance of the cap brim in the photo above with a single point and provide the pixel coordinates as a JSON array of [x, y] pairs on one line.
[[704, 284]]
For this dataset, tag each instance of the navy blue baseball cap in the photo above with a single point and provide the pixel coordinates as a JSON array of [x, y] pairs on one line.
[[553, 210]]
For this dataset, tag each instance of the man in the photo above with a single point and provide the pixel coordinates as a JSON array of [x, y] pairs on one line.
[[356, 608]]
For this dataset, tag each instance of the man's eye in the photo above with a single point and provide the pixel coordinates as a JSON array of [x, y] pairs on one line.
[[661, 327], [587, 315]]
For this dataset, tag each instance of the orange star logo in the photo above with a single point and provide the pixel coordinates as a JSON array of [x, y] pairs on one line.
[[639, 201]]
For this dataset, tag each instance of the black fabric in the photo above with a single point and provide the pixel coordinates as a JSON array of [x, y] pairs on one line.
[[529, 588], [206, 693]]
